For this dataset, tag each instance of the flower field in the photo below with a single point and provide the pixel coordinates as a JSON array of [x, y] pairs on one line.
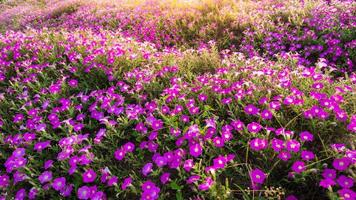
[[177, 99]]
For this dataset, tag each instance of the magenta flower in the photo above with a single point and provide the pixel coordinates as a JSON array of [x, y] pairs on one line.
[[127, 182], [345, 182], [46, 176], [160, 161], [219, 162], [306, 136], [39, 146], [150, 190], [157, 124], [195, 150], [341, 164], [165, 177], [293, 145], [73, 83], [326, 183], [329, 173], [291, 197], [20, 194], [266, 114], [307, 155], [284, 155], [119, 154], [254, 127], [347, 194], [218, 142], [84, 192], [89, 176], [298, 166], [206, 185], [257, 176], [251, 109], [277, 145], [193, 179], [4, 181], [238, 125], [147, 169], [188, 165], [258, 144], [112, 181], [59, 183], [129, 147]]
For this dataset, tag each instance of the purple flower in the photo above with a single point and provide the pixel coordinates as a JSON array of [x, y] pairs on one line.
[[258, 144], [293, 145], [345, 182], [291, 197], [19, 152], [119, 154], [298, 166], [89, 176], [160, 161], [188, 165], [341, 164], [347, 194], [39, 146], [18, 117], [46, 176], [277, 144], [307, 155], [112, 181], [284, 155], [195, 150], [254, 127], [59, 183], [66, 192], [193, 179], [257, 176], [251, 109], [20, 194], [129, 147], [157, 124], [4, 181], [206, 184], [32, 193], [219, 162], [238, 125], [326, 183], [127, 181], [84, 192], [329, 173], [73, 83], [150, 191], [306, 136], [147, 169], [48, 164], [165, 177], [266, 114], [218, 142]]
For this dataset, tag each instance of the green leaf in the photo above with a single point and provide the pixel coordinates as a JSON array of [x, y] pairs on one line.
[[175, 186]]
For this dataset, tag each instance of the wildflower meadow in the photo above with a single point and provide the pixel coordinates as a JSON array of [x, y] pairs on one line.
[[178, 99]]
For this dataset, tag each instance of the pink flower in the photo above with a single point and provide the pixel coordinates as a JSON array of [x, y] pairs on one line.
[[298, 166], [89, 176], [84, 192], [341, 164], [254, 127], [127, 181], [59, 183], [257, 176], [195, 150]]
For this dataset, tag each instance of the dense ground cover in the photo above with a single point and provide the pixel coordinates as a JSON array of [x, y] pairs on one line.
[[187, 100]]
